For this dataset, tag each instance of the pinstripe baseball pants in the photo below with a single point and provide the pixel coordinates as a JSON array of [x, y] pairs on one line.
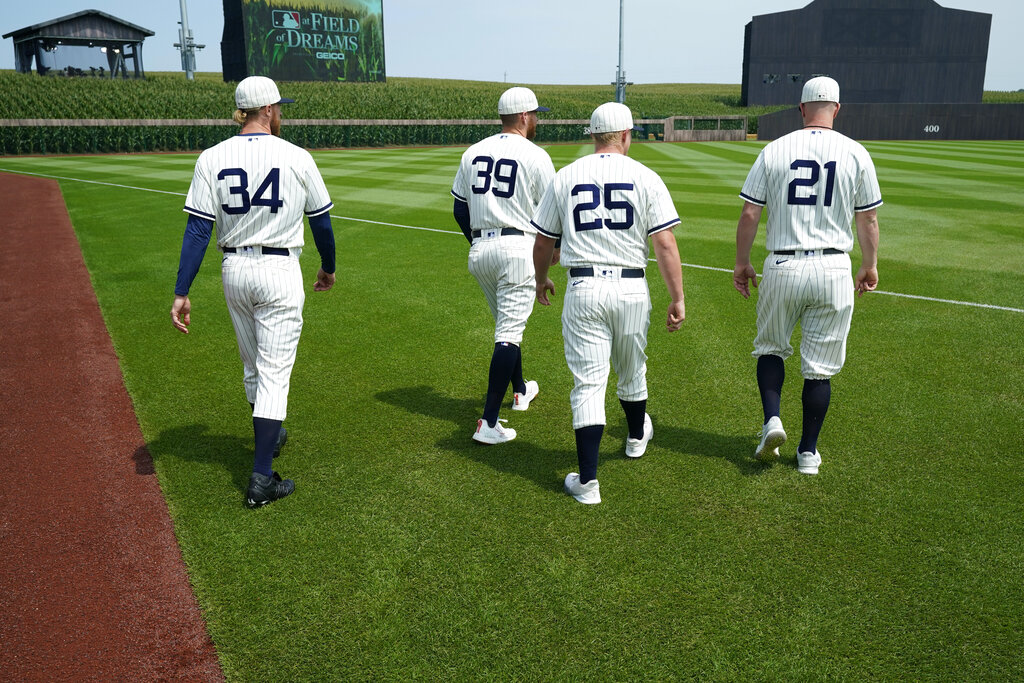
[[503, 265], [601, 319], [816, 291], [265, 299]]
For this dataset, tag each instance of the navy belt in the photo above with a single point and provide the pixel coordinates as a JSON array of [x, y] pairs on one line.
[[504, 231], [267, 251], [792, 252], [589, 272]]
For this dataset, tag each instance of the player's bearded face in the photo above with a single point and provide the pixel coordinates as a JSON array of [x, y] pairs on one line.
[[531, 125], [275, 120]]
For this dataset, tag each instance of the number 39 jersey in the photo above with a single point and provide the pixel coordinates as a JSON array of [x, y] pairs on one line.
[[812, 180], [256, 188], [502, 178], [604, 207]]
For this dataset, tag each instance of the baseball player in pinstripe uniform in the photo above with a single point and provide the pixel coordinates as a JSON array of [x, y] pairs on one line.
[[816, 183], [256, 187], [605, 207], [499, 183]]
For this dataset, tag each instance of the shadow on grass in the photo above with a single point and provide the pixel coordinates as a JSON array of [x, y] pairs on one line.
[[193, 443], [520, 457], [546, 466], [739, 450]]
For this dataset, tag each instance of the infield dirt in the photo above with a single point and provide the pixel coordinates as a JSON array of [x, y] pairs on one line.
[[93, 585]]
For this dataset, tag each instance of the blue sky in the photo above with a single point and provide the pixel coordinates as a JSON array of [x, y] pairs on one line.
[[541, 41]]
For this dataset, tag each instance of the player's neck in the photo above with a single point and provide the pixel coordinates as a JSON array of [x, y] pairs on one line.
[[816, 125], [255, 127], [513, 130]]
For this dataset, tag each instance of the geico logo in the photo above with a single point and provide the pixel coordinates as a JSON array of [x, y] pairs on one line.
[[330, 55]]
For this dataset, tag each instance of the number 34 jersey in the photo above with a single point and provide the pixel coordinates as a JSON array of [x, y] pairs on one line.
[[502, 178], [812, 181], [257, 188], [604, 207]]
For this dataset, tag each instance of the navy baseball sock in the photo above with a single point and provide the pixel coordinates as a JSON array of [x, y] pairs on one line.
[[518, 383], [588, 439], [635, 411], [816, 396], [266, 432], [503, 362], [771, 372]]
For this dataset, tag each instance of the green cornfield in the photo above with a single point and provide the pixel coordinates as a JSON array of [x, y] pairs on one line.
[[170, 96]]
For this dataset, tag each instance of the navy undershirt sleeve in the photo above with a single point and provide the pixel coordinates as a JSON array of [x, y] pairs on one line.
[[323, 236], [461, 212], [193, 248]]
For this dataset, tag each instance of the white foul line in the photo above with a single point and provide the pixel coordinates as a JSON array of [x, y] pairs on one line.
[[452, 232]]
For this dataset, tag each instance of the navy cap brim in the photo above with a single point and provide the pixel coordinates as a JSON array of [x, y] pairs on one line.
[[542, 109], [285, 100]]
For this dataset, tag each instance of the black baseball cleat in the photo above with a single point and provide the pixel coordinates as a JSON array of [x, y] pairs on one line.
[[264, 489], [282, 439]]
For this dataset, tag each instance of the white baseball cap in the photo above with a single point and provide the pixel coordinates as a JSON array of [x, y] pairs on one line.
[[257, 91], [611, 117], [518, 100], [820, 89]]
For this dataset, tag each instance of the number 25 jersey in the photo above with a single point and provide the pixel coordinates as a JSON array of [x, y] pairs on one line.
[[605, 207]]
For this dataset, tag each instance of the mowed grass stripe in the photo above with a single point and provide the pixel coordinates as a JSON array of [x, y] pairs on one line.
[[410, 552]]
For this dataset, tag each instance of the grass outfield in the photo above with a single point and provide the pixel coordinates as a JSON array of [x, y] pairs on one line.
[[410, 552]]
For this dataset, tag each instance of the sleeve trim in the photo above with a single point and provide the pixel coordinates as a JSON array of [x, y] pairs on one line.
[[866, 207], [544, 232], [759, 202], [200, 214], [321, 210], [664, 226]]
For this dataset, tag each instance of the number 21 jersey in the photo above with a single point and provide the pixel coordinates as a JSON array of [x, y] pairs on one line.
[[812, 181]]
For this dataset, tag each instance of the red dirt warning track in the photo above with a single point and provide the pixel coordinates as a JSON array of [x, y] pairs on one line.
[[92, 584]]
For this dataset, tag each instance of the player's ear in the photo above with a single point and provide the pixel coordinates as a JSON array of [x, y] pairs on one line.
[[837, 110]]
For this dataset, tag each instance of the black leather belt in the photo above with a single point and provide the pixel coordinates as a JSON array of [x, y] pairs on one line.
[[504, 231], [792, 252], [267, 251], [589, 272]]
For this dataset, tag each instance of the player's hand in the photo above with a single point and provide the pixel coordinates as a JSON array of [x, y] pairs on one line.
[[866, 280], [555, 255], [676, 315], [542, 291], [742, 277], [181, 312], [324, 281]]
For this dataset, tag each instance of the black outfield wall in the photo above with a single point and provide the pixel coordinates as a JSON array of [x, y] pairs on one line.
[[910, 122], [878, 50]]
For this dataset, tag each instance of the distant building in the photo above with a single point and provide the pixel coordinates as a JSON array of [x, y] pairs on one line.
[[880, 51], [89, 42]]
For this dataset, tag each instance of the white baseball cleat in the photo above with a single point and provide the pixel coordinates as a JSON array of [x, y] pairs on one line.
[[493, 435], [589, 493], [807, 463], [637, 447], [772, 436], [522, 401]]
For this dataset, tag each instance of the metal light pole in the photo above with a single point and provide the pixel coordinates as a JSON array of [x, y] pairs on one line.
[[620, 75], [187, 44]]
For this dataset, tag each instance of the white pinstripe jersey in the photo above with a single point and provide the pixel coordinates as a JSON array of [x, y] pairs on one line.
[[502, 178], [604, 207], [812, 181], [256, 188]]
